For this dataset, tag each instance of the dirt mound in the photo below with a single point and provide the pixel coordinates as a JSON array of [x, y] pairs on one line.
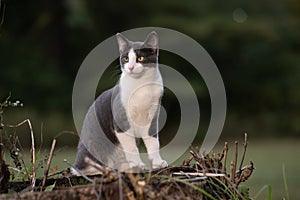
[[199, 177]]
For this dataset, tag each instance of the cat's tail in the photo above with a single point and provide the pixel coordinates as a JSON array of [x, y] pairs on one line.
[[81, 166]]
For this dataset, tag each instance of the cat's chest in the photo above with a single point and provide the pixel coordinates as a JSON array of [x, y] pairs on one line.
[[141, 95], [141, 99], [144, 96]]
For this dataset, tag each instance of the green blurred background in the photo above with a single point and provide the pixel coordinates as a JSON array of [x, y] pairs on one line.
[[255, 44]]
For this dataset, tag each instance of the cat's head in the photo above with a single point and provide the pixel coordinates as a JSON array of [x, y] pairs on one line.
[[138, 57]]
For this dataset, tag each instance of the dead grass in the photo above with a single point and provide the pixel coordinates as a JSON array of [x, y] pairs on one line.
[[198, 177]]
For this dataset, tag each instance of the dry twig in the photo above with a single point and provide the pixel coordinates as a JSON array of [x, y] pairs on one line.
[[199, 174], [100, 168], [79, 171], [48, 163], [231, 175], [235, 159], [225, 150], [137, 187], [244, 152]]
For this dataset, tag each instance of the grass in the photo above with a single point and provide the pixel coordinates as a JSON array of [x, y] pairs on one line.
[[265, 188], [285, 183], [269, 156], [276, 160], [270, 180], [205, 193]]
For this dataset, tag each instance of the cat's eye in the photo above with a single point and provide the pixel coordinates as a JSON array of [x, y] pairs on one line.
[[125, 59], [141, 59]]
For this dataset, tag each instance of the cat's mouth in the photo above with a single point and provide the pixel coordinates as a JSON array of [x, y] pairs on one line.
[[135, 74]]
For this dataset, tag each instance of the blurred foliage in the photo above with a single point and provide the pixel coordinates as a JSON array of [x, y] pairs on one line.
[[255, 44]]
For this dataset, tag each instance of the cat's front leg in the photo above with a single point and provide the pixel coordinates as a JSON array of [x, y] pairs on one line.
[[152, 145], [128, 143]]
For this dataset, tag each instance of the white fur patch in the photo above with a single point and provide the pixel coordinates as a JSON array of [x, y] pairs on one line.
[[89, 170], [140, 98], [141, 90], [137, 67]]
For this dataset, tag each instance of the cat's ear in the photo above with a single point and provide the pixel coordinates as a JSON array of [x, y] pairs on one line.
[[152, 41], [123, 42]]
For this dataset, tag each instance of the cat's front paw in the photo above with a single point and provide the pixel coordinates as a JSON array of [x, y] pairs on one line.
[[159, 164], [138, 165]]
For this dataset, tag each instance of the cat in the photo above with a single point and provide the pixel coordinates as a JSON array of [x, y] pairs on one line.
[[128, 111]]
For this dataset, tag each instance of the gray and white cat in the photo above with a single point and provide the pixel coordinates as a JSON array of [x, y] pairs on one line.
[[125, 112]]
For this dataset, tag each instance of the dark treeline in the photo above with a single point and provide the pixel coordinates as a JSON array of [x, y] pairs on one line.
[[255, 44]]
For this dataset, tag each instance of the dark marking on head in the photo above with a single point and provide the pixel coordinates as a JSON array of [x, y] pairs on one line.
[[150, 55], [148, 49]]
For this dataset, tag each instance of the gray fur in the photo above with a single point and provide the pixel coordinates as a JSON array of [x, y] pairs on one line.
[[98, 135]]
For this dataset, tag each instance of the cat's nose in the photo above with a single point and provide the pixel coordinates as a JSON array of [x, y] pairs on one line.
[[131, 68]]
